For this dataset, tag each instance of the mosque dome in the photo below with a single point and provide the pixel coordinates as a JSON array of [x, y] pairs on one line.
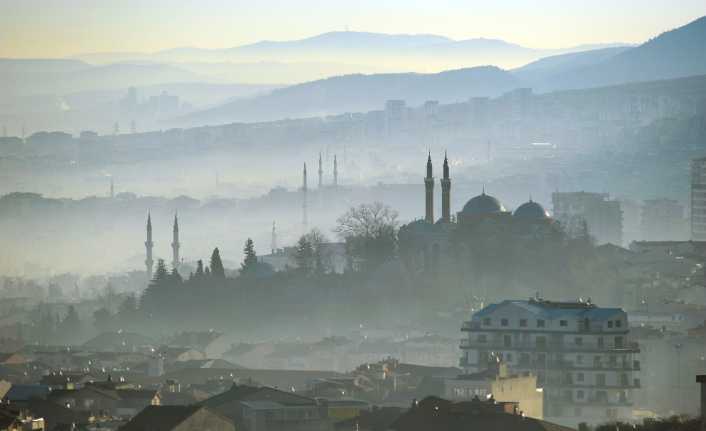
[[531, 211], [483, 204]]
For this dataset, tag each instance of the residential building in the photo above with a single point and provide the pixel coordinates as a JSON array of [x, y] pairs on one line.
[[698, 199], [603, 216], [579, 353], [663, 220], [253, 408], [178, 418], [434, 413]]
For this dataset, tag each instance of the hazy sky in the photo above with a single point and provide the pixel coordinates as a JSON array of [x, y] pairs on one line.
[[55, 28]]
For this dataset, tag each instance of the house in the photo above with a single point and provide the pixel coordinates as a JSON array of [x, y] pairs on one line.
[[15, 419], [12, 359], [56, 415], [377, 419], [253, 408], [178, 418], [62, 380], [439, 414], [106, 400], [19, 394]]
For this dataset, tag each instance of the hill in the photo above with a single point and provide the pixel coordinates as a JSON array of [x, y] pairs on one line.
[[360, 93], [673, 54]]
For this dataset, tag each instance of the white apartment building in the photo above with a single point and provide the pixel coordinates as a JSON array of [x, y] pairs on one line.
[[579, 352]]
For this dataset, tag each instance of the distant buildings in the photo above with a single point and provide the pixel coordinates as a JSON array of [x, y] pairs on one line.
[[663, 220], [698, 199], [602, 215], [579, 353]]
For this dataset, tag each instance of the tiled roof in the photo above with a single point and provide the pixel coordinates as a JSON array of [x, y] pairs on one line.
[[554, 310], [160, 418]]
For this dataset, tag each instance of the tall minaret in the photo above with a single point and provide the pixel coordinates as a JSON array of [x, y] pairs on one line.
[[305, 218], [321, 172], [446, 193], [335, 171], [429, 189], [148, 247], [273, 243], [112, 188], [175, 244]]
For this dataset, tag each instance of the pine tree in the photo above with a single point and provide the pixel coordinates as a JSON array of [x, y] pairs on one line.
[[249, 264], [304, 255], [199, 268], [217, 269]]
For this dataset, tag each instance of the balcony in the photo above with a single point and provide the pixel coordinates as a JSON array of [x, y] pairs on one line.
[[467, 326], [499, 345]]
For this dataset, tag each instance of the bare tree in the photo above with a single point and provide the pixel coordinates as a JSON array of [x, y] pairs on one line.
[[370, 233]]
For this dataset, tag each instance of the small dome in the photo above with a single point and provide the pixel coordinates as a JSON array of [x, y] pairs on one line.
[[531, 211], [483, 204]]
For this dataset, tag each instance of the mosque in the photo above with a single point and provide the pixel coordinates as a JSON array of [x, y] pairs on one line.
[[425, 243]]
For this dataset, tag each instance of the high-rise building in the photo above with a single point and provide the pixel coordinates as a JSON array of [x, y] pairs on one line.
[[698, 199], [603, 216], [579, 352], [663, 220]]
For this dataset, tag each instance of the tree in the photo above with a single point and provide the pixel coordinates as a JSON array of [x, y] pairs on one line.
[[199, 269], [304, 255], [217, 269], [102, 319], [370, 233], [70, 327], [249, 265], [154, 295]]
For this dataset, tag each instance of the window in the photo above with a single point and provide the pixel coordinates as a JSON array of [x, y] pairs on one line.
[[579, 377], [507, 341], [579, 359], [577, 410], [563, 323], [486, 321], [508, 357], [600, 342], [541, 342], [540, 323], [600, 379], [524, 358], [618, 323], [482, 338], [503, 322], [580, 394], [578, 341], [610, 323], [523, 323], [618, 342]]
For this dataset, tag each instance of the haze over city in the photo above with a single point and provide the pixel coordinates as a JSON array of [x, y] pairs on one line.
[[319, 216]]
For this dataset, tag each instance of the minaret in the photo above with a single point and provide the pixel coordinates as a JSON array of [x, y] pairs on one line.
[[112, 188], [175, 244], [446, 193], [273, 243], [321, 172], [335, 171], [429, 189], [148, 247], [305, 218]]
